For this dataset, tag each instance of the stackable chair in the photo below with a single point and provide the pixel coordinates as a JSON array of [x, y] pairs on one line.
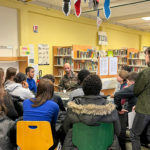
[[34, 135], [92, 137]]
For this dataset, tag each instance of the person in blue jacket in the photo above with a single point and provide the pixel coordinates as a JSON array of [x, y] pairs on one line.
[[30, 80], [42, 108]]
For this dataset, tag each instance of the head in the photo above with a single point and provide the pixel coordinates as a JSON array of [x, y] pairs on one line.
[[30, 72], [10, 73], [50, 77], [147, 56], [127, 68], [20, 78], [45, 91], [122, 76], [92, 85], [67, 68], [82, 75], [132, 78]]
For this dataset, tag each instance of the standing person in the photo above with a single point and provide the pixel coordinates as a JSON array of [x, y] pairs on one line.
[[10, 74], [69, 80], [42, 108], [123, 110], [79, 91], [142, 117], [30, 80]]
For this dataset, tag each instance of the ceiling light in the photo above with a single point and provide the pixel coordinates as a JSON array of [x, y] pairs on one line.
[[146, 18]]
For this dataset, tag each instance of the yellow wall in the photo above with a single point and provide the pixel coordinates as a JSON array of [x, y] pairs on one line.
[[56, 29]]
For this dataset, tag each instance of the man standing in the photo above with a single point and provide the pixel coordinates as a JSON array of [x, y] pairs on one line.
[[30, 80], [69, 80]]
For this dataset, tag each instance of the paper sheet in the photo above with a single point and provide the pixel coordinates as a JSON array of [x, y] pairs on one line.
[[113, 65], [131, 116], [103, 65]]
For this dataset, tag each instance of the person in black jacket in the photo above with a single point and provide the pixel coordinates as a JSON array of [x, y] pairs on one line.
[[128, 94], [90, 109]]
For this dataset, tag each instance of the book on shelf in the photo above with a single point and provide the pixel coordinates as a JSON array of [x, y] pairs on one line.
[[60, 72], [62, 61], [64, 51], [120, 52]]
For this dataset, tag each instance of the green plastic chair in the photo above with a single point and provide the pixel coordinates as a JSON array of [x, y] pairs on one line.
[[92, 137]]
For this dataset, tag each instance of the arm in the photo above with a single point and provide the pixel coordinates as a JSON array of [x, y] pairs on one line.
[[56, 111], [61, 105], [123, 93], [61, 84], [35, 87], [140, 83]]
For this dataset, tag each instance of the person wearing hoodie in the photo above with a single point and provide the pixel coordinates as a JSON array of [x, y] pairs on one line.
[[90, 109], [10, 74], [20, 87]]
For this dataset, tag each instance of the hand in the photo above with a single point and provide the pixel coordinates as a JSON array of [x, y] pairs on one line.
[[25, 84], [112, 96], [133, 108], [122, 111]]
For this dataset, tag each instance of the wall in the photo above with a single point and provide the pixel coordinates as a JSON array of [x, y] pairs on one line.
[[56, 29], [8, 31]]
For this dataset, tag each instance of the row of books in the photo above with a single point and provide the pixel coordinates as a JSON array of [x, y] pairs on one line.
[[60, 72], [139, 55], [90, 53], [137, 62], [137, 69], [62, 61], [91, 66], [122, 60], [120, 52], [64, 51]]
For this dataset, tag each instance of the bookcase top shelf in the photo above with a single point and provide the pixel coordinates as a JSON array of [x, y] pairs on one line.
[[85, 59], [62, 56]]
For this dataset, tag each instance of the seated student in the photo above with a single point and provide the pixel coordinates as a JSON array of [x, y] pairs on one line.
[[6, 125], [20, 87], [98, 110], [30, 80], [56, 98], [79, 91], [42, 108], [131, 99], [11, 111], [10, 74]]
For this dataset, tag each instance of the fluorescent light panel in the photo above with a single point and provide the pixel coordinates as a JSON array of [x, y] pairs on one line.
[[146, 18]]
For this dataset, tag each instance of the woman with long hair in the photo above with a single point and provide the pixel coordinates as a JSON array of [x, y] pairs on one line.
[[42, 107], [142, 92], [10, 74], [6, 98]]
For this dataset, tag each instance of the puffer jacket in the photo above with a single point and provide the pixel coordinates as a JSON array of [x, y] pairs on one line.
[[6, 125], [90, 110]]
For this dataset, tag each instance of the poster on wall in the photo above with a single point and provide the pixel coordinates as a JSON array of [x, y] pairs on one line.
[[103, 66], [113, 65], [43, 54], [102, 38], [31, 56], [24, 51]]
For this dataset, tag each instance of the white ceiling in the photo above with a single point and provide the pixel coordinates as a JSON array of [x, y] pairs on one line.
[[124, 12]]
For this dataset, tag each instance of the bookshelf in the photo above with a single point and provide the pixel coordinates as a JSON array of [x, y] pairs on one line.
[[136, 60]]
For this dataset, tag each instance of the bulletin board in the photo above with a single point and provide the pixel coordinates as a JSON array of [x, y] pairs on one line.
[[8, 31]]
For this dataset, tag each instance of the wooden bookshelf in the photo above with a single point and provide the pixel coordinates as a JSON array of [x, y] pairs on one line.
[[23, 61]]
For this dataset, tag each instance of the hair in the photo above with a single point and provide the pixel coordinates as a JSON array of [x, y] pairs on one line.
[[20, 77], [132, 76], [2, 93], [28, 69], [123, 74], [45, 91], [82, 75], [127, 68], [147, 51], [92, 85], [10, 72], [50, 77]]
